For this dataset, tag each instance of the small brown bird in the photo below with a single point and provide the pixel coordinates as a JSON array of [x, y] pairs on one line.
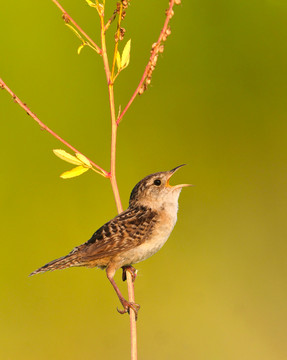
[[132, 236]]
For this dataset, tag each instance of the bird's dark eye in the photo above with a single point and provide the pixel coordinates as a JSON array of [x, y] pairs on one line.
[[157, 182]]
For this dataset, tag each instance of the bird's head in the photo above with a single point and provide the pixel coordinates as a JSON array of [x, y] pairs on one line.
[[155, 190]]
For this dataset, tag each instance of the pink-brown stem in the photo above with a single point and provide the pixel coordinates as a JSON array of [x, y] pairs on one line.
[[131, 293], [45, 127], [117, 39], [113, 118], [113, 179], [169, 13]]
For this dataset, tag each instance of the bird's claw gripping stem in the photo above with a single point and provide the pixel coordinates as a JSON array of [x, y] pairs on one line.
[[127, 306], [131, 270]]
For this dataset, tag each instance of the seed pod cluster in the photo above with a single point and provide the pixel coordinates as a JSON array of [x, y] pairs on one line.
[[121, 34], [156, 48], [125, 3], [66, 18]]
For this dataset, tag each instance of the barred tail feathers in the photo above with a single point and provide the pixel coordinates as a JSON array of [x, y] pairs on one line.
[[58, 264]]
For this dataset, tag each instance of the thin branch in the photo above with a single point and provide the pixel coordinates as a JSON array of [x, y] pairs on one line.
[[169, 14], [67, 17], [133, 328], [45, 127], [111, 19], [117, 40], [113, 175], [104, 51], [113, 117]]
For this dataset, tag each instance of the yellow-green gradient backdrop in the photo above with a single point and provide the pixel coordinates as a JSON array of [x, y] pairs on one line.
[[217, 290]]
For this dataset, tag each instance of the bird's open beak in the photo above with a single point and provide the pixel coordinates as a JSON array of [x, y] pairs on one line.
[[171, 172]]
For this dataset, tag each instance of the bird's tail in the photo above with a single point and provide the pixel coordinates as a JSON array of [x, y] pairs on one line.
[[58, 264]]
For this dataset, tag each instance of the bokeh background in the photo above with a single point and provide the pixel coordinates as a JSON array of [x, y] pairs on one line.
[[217, 102]]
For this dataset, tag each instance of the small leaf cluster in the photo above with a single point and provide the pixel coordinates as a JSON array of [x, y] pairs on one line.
[[124, 60], [83, 163]]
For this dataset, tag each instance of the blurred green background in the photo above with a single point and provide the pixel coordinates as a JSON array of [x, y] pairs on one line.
[[217, 102]]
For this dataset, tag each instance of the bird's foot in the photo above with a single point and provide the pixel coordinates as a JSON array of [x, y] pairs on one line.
[[131, 270], [127, 306]]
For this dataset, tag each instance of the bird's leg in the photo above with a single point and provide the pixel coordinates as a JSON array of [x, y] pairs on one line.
[[131, 270], [126, 304]]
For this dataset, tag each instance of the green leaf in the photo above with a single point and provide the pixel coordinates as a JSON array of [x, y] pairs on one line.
[[84, 160], [118, 58], [62, 154], [126, 55], [79, 170]]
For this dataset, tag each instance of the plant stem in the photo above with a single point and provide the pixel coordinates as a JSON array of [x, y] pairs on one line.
[[45, 127], [133, 326], [113, 179], [117, 40], [113, 118]]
